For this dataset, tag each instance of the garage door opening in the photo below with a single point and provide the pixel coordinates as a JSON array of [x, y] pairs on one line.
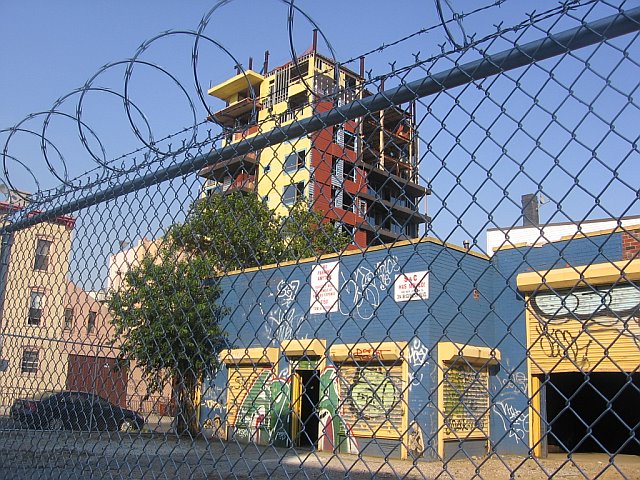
[[579, 420], [306, 407]]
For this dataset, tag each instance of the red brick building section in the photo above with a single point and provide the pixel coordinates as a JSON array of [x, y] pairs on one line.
[[631, 244]]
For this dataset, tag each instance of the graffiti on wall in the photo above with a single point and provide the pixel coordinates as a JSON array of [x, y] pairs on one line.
[[251, 394], [561, 343], [599, 309], [214, 411], [415, 440], [283, 320], [371, 399], [362, 293], [513, 391], [466, 400], [418, 358], [280, 408], [373, 395], [515, 422]]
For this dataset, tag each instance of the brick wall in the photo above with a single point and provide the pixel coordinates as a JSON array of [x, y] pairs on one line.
[[631, 244]]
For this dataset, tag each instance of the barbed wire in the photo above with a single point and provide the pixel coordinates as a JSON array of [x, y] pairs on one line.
[[154, 150]]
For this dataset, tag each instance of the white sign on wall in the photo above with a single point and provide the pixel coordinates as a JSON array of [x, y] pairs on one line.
[[411, 286], [324, 287]]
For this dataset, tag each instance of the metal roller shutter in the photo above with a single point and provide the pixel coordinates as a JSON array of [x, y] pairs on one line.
[[249, 397], [371, 403], [466, 401]]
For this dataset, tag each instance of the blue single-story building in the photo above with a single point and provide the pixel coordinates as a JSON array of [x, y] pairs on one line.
[[420, 349]]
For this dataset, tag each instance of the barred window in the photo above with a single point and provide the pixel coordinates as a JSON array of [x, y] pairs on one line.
[[36, 303], [91, 322], [29, 362], [68, 318], [43, 248]]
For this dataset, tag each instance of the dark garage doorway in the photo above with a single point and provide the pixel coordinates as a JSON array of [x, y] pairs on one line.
[[577, 402], [309, 397]]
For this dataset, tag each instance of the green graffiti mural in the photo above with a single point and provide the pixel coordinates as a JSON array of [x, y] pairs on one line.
[[252, 422], [281, 406], [329, 427]]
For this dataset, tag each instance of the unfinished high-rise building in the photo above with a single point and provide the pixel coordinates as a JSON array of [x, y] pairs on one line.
[[362, 175]]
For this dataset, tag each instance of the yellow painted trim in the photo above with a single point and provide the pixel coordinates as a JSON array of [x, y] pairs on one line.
[[440, 392], [296, 407], [535, 420], [236, 84], [600, 232], [509, 245], [404, 438], [594, 274], [564, 238], [383, 351], [450, 352], [304, 348], [386, 246], [250, 356]]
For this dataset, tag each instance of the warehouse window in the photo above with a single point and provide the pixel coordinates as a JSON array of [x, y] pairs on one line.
[[295, 161], [292, 193]]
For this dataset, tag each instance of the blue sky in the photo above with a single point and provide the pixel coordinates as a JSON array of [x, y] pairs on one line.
[[48, 49]]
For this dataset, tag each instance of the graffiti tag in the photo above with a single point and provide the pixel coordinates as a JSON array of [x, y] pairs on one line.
[[361, 293], [556, 342], [283, 321], [373, 394], [514, 421]]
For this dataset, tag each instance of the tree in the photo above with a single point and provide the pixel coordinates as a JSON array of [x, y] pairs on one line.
[[168, 321], [238, 231], [303, 234], [167, 316], [234, 231]]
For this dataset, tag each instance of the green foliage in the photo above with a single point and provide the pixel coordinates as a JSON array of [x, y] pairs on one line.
[[303, 234], [168, 322], [238, 230], [166, 315], [167, 319], [233, 231]]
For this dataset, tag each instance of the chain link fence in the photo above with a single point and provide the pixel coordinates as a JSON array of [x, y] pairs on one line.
[[426, 272]]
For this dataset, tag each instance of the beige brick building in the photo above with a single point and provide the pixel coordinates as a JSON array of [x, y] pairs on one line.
[[33, 291]]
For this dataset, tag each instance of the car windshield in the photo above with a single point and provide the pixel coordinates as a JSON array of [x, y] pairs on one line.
[[43, 395]]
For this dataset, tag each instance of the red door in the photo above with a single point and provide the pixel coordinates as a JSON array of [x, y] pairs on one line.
[[98, 375]]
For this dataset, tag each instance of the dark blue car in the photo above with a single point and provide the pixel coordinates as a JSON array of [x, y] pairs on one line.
[[74, 411]]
